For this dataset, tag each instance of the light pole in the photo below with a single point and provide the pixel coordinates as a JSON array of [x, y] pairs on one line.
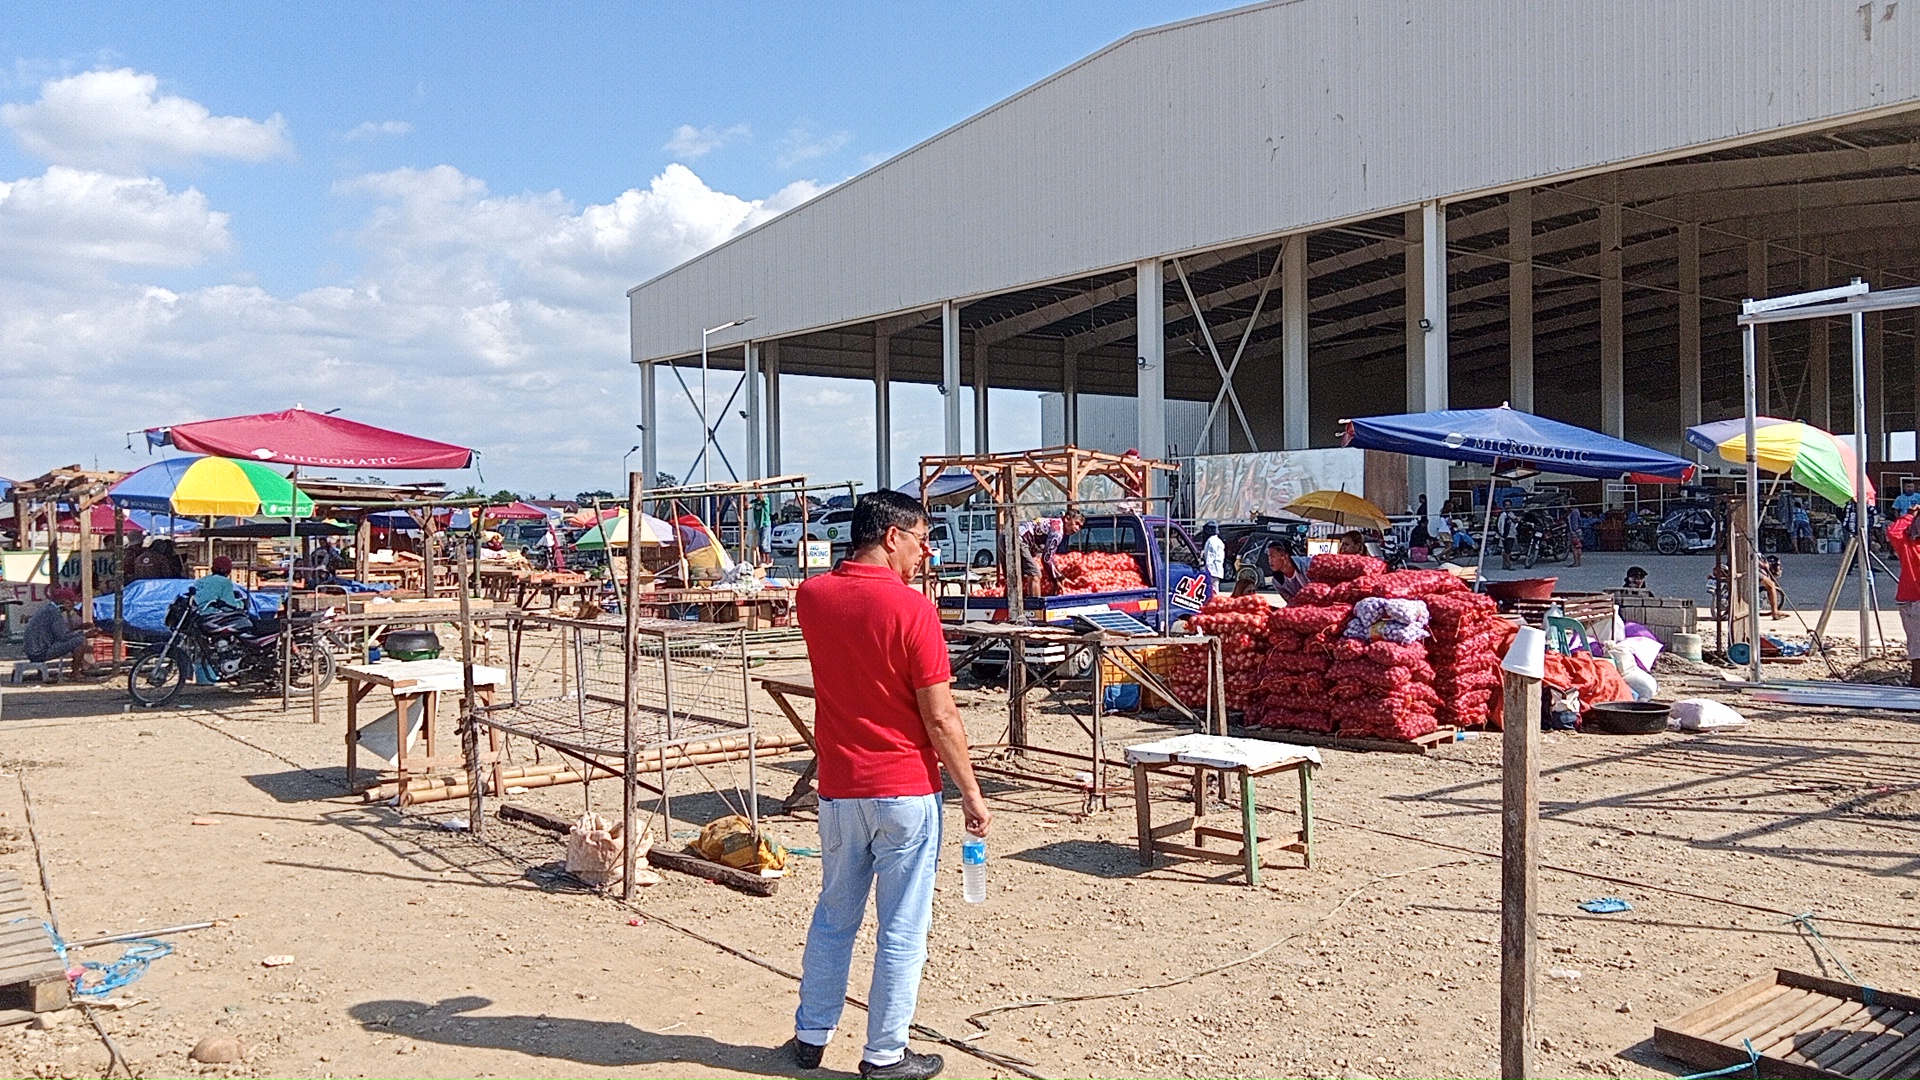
[[706, 432], [624, 458]]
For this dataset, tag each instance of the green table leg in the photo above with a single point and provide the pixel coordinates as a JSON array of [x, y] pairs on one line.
[[1306, 811], [1249, 827]]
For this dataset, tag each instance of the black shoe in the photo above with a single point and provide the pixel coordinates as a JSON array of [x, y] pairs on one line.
[[805, 1054], [912, 1067]]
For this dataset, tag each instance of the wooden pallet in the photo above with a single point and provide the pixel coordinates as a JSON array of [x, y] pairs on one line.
[[1801, 1026], [1439, 737], [32, 976]]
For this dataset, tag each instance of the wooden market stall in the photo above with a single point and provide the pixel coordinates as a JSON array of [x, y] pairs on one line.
[[42, 500]]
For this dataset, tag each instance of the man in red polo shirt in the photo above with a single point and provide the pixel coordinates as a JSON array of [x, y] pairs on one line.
[[884, 723]]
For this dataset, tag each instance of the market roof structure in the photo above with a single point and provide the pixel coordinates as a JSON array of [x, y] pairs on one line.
[[1311, 209]]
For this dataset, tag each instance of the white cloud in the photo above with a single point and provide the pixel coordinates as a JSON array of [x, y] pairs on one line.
[[367, 129], [690, 142], [496, 321], [802, 143], [70, 222], [112, 120]]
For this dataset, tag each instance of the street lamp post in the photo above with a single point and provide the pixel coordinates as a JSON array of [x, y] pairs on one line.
[[706, 430]]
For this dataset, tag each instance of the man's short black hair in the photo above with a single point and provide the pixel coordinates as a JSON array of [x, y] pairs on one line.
[[878, 511]]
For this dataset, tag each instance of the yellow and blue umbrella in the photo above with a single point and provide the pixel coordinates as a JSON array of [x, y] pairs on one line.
[[1814, 458], [211, 487]]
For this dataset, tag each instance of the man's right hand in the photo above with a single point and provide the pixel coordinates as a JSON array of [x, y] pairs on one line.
[[979, 818]]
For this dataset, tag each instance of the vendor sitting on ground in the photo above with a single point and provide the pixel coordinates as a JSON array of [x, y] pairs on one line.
[[1040, 541], [51, 633], [1636, 578], [215, 593]]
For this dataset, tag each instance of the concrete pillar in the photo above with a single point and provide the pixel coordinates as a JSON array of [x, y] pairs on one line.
[[1689, 351], [770, 359], [1427, 375], [750, 387], [1520, 299], [649, 429], [1820, 352], [950, 372], [1762, 352], [1070, 392], [882, 410], [1613, 361], [1150, 313], [982, 416], [1294, 401]]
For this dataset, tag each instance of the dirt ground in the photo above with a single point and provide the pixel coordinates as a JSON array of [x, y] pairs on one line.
[[420, 950]]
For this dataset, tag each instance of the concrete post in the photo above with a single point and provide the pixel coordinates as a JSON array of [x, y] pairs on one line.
[[1070, 387], [1427, 374], [1876, 387], [649, 425], [982, 381], [770, 360], [1520, 299], [950, 372], [1151, 356], [882, 410], [750, 387], [1613, 361], [1296, 416], [1763, 352], [1689, 345]]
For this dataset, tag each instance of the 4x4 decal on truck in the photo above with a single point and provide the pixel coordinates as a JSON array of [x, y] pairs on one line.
[[1190, 592]]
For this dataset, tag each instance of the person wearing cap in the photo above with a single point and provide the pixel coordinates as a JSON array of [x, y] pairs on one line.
[[215, 592], [1213, 552], [51, 633]]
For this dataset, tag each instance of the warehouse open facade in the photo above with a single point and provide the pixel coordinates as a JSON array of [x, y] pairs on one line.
[[1303, 211]]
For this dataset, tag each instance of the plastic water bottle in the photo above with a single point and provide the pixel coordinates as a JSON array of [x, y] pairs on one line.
[[973, 868]]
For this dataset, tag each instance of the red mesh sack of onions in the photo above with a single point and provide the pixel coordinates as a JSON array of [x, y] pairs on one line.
[[1404, 726], [1283, 719], [1334, 569], [1307, 621], [1312, 593]]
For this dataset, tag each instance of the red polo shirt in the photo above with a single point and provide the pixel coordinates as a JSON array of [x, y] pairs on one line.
[[873, 641]]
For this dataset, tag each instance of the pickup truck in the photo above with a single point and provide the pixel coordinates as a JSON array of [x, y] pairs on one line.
[[1160, 547]]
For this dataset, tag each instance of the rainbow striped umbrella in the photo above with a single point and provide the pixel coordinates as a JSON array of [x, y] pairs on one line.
[[211, 487], [1814, 458]]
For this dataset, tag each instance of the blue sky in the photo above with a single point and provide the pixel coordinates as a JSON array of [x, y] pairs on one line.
[[427, 214]]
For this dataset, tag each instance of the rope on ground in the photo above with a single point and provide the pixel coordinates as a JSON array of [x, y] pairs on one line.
[[1648, 886], [1752, 1062], [1217, 968], [1804, 921]]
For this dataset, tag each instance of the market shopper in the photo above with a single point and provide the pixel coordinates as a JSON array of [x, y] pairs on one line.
[[885, 722], [215, 593], [1906, 547], [1213, 552], [1040, 542], [51, 633]]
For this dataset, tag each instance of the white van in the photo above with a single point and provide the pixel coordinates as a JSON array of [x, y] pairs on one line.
[[968, 538]]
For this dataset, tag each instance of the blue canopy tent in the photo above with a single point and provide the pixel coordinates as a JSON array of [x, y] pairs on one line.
[[1508, 437], [952, 485]]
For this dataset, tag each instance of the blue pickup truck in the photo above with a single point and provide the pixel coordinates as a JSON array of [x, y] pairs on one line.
[[1160, 547]]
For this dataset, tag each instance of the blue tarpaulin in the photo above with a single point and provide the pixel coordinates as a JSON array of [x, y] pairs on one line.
[[1507, 436], [947, 485], [144, 605]]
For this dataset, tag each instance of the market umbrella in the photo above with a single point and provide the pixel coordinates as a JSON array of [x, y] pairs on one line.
[[210, 487], [1507, 437], [514, 511], [1342, 508], [309, 439], [615, 532], [100, 522], [1814, 458]]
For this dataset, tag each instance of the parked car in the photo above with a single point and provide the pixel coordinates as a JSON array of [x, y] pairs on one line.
[[834, 526]]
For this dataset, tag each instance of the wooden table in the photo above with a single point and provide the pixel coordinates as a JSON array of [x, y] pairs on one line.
[[1247, 758], [780, 688], [425, 679]]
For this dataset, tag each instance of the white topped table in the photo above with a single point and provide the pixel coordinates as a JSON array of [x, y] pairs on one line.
[[1248, 758], [409, 679]]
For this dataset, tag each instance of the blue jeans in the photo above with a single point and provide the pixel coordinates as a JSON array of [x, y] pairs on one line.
[[891, 847]]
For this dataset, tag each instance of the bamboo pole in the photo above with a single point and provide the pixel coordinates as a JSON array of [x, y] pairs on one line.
[[630, 692], [469, 725]]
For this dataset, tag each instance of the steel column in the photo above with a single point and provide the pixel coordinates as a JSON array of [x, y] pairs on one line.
[[649, 427], [982, 381], [1689, 345], [1070, 385], [1876, 384], [1820, 355], [1520, 299], [1151, 357], [1763, 354], [950, 372], [1294, 382], [750, 384], [770, 360], [1858, 325]]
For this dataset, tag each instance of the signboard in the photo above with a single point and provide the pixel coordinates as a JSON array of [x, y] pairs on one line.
[[1235, 487], [817, 555]]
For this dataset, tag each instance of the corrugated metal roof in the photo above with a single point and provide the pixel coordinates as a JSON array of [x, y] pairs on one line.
[[1279, 117]]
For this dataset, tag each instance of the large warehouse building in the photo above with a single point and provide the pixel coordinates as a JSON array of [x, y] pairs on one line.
[[1311, 209]]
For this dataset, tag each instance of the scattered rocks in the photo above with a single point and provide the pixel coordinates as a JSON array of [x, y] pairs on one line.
[[276, 960]]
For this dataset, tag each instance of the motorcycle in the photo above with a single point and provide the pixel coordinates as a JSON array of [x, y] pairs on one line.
[[228, 646], [1686, 531]]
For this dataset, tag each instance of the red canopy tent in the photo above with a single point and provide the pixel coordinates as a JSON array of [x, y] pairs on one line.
[[309, 439], [515, 511]]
